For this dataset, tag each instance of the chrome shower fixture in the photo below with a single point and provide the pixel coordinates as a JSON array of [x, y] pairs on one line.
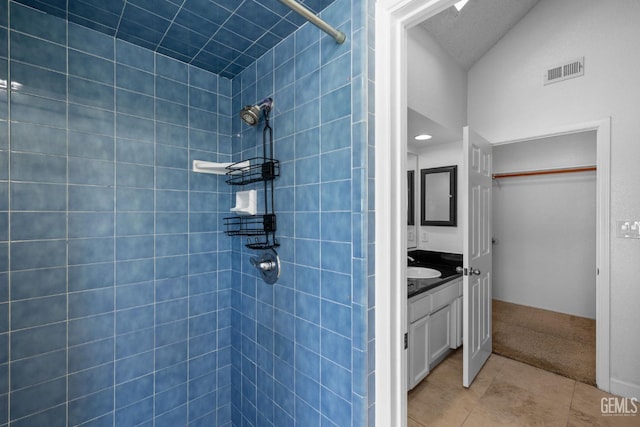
[[251, 113]]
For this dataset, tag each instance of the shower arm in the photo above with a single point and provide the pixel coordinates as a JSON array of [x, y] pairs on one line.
[[338, 36]]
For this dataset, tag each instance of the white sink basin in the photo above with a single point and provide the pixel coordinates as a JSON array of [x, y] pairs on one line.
[[422, 273]]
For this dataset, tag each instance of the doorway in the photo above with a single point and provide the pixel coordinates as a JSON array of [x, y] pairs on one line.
[[392, 21], [544, 265]]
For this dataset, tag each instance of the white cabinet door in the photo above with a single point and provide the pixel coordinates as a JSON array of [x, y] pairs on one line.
[[439, 333], [418, 351]]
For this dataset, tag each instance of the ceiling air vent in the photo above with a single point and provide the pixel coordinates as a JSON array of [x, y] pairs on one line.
[[567, 70]]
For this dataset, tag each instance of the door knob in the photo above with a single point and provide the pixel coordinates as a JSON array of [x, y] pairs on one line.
[[474, 271], [460, 270]]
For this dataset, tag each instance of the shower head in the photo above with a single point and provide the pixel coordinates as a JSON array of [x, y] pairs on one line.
[[251, 113]]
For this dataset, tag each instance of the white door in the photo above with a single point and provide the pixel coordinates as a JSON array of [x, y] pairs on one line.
[[476, 291]]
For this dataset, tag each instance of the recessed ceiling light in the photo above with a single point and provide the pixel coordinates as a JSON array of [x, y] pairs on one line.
[[422, 137], [459, 5]]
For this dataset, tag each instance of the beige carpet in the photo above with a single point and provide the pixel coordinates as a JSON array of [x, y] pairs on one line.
[[555, 342]]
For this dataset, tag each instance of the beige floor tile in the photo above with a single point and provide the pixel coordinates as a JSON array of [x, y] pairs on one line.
[[586, 409], [538, 382], [413, 423]]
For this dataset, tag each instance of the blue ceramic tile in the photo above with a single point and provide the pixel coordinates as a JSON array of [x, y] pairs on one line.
[[37, 197], [171, 333], [90, 406], [90, 172], [38, 340], [136, 413], [38, 283], [167, 245], [28, 255], [336, 348], [134, 343], [37, 398], [134, 319], [135, 271], [90, 198], [134, 200], [134, 56], [38, 226], [334, 408], [38, 52], [36, 23], [172, 376], [336, 104], [137, 128], [134, 79], [171, 112], [28, 372], [90, 145], [134, 247], [170, 399], [128, 296], [336, 135], [90, 225], [90, 303], [92, 276], [134, 104], [130, 175], [336, 287], [167, 223], [32, 109], [335, 196], [39, 81], [93, 120], [169, 134], [38, 139], [91, 354], [91, 67], [89, 41]]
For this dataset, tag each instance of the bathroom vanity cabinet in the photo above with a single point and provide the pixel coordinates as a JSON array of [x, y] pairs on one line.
[[434, 327]]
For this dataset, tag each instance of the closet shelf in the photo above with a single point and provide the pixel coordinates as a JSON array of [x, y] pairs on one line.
[[253, 170]]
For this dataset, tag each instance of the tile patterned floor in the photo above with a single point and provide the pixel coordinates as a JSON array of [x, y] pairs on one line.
[[506, 393]]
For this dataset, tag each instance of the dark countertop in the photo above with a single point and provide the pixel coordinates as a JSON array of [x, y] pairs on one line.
[[444, 262]]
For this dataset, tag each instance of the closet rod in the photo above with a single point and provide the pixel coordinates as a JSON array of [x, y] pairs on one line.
[[544, 172], [338, 36]]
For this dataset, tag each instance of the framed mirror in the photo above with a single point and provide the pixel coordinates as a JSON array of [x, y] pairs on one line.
[[438, 196], [411, 195], [412, 200]]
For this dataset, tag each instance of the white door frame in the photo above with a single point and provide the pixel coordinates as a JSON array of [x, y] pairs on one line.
[[393, 19]]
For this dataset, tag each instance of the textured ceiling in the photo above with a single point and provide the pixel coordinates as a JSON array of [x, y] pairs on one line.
[[467, 35], [221, 36]]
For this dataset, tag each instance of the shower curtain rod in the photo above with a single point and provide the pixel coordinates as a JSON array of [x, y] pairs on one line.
[[338, 36], [544, 172]]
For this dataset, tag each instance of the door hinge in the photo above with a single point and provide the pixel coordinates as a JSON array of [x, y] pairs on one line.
[[406, 340]]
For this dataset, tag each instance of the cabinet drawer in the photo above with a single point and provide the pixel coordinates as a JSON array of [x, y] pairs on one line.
[[445, 296], [419, 308]]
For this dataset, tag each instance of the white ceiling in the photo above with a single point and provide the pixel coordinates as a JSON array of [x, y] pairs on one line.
[[466, 36]]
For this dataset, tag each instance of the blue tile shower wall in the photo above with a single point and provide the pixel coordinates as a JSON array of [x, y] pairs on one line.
[[302, 349], [115, 278]]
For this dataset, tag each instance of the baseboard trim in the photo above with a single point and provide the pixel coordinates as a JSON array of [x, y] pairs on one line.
[[625, 389]]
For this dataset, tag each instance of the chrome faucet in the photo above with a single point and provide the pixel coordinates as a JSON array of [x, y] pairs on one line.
[[411, 259]]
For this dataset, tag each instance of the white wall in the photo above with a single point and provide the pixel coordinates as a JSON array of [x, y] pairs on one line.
[[441, 239], [545, 226], [507, 100], [441, 90]]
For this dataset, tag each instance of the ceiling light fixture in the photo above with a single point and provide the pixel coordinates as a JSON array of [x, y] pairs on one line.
[[459, 5], [422, 137]]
